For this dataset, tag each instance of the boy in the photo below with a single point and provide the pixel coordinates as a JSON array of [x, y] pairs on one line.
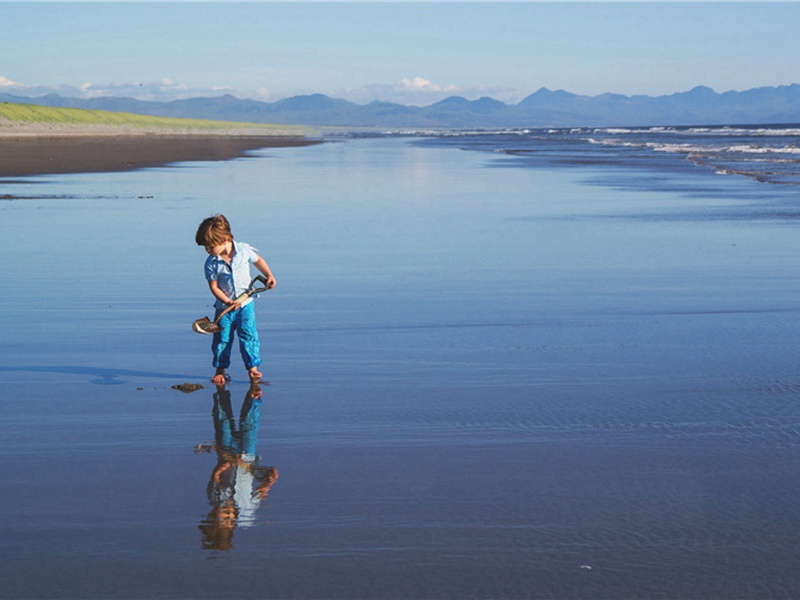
[[227, 271]]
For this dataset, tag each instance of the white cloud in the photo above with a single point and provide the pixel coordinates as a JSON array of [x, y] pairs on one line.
[[5, 82], [262, 93], [418, 84]]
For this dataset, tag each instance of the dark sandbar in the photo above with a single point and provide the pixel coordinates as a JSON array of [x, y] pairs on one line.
[[39, 155]]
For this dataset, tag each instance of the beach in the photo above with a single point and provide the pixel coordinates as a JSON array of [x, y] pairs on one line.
[[491, 370], [71, 150]]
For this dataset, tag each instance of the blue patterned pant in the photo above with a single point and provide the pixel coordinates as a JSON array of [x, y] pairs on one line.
[[228, 438], [243, 323]]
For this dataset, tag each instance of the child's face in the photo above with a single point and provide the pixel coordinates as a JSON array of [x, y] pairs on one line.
[[217, 249]]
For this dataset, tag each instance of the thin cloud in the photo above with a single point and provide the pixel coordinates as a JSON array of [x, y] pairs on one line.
[[162, 90], [413, 91], [419, 91]]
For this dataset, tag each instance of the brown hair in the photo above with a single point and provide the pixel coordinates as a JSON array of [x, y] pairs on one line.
[[213, 231]]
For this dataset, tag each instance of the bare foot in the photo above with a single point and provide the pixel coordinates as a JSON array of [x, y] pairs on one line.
[[219, 377], [255, 375]]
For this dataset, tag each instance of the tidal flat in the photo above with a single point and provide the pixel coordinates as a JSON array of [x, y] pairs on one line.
[[484, 378]]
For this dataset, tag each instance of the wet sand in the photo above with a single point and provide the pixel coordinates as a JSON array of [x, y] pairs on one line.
[[480, 381], [76, 152]]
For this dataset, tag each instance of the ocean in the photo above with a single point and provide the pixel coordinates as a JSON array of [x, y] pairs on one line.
[[497, 364], [765, 153]]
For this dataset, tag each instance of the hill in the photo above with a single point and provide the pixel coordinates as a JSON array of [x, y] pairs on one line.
[[15, 118], [544, 108]]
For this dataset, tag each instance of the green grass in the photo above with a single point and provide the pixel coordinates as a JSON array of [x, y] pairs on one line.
[[30, 114]]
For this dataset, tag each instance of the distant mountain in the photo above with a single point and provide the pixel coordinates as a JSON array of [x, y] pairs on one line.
[[544, 108]]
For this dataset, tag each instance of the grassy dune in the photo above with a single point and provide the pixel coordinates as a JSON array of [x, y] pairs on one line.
[[17, 117]]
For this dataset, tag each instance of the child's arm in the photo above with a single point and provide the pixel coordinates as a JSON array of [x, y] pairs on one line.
[[262, 266], [218, 293]]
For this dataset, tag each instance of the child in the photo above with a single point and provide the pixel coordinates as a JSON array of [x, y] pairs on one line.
[[227, 271]]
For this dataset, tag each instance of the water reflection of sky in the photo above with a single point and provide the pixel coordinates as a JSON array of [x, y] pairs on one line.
[[481, 380]]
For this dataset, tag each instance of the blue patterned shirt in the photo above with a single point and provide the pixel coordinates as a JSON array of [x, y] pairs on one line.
[[232, 278]]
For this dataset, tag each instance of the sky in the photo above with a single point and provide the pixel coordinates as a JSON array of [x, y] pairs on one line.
[[413, 53]]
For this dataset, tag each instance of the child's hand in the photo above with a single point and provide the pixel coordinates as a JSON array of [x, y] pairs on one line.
[[271, 282], [235, 304]]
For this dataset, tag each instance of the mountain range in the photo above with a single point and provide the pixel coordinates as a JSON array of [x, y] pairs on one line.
[[544, 108]]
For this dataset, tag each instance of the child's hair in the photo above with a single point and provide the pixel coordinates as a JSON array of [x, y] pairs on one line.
[[213, 231]]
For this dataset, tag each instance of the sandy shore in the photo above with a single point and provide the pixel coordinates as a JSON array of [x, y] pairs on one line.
[[37, 153]]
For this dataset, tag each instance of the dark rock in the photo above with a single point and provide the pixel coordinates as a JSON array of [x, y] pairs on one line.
[[188, 388]]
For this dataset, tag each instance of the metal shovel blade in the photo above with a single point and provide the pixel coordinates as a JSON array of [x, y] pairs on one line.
[[205, 325]]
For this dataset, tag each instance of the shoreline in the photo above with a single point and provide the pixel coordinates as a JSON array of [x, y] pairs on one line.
[[78, 150]]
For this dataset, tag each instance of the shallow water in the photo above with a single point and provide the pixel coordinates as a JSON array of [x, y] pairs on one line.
[[480, 381]]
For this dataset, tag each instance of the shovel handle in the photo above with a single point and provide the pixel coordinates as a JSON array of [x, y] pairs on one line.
[[245, 295], [254, 290]]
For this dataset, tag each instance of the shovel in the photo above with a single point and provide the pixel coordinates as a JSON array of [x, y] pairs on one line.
[[205, 325]]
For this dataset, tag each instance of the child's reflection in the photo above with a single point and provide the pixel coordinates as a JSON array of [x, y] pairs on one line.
[[238, 483]]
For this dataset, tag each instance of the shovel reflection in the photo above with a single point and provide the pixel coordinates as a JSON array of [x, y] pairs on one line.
[[238, 483]]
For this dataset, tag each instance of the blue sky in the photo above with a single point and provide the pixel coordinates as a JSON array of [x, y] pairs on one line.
[[415, 53]]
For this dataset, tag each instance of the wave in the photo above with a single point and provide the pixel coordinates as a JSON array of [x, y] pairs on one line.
[[734, 149], [783, 131]]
